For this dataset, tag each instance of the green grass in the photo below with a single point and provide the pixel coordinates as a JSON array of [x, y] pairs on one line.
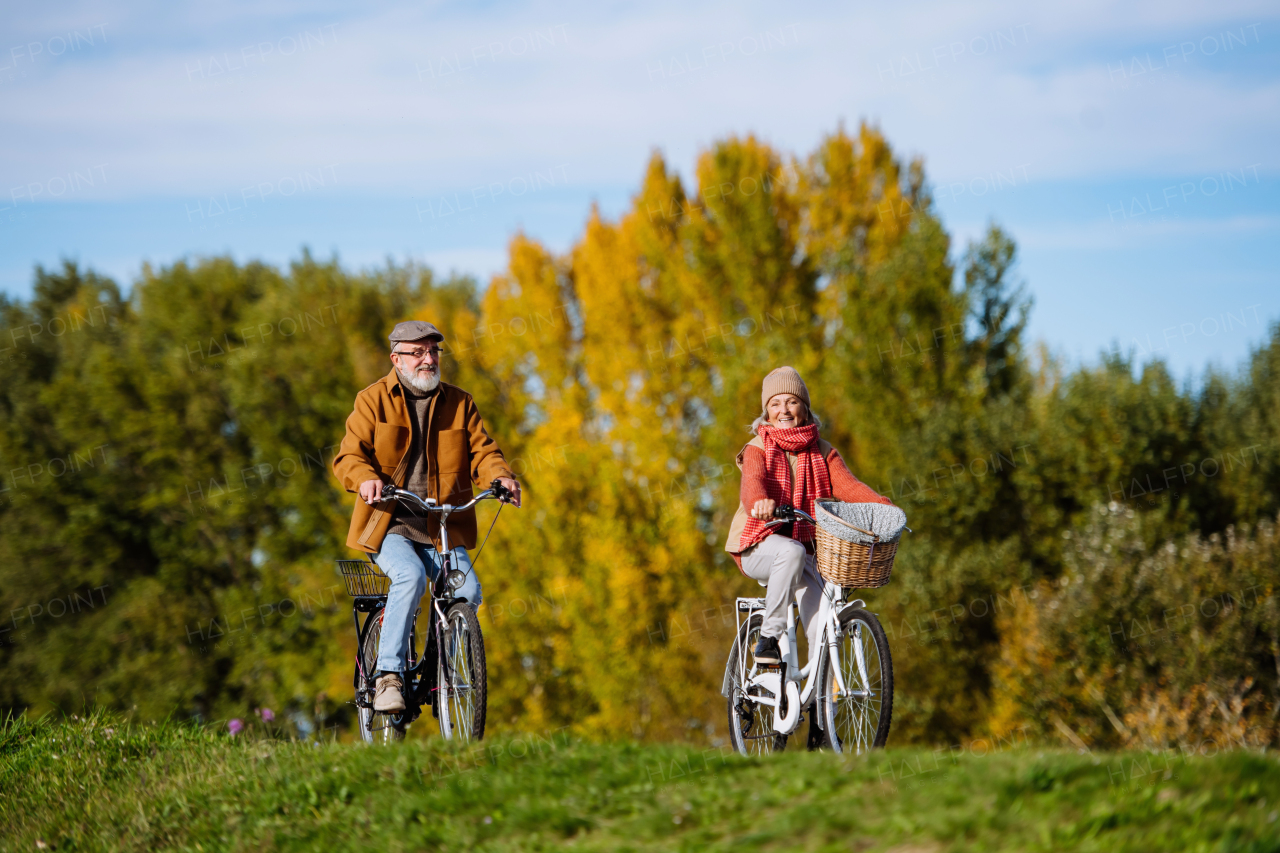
[[104, 785]]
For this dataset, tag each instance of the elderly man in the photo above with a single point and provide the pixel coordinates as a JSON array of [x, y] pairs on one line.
[[424, 435]]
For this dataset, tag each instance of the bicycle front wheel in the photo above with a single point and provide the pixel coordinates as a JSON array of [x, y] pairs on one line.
[[462, 680], [857, 718], [375, 727], [750, 723]]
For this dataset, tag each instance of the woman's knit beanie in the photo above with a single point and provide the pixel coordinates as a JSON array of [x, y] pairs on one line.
[[784, 380]]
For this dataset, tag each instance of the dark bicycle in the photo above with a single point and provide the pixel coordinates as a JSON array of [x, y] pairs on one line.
[[450, 677]]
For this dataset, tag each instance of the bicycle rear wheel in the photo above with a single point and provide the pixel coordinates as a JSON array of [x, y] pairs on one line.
[[375, 727], [462, 678], [750, 723], [858, 719]]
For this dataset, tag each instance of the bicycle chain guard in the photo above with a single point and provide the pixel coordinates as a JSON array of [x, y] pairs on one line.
[[783, 724]]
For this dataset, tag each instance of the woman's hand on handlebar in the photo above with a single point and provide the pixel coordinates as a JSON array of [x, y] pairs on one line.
[[764, 508]]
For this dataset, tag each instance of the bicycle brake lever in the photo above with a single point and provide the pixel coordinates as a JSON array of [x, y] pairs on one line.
[[388, 494], [500, 491]]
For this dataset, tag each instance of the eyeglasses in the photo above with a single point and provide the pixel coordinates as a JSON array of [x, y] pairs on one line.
[[419, 353]]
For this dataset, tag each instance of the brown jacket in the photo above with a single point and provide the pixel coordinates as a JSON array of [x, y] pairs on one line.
[[459, 452]]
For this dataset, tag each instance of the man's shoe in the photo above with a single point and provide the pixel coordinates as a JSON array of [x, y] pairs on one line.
[[767, 651], [388, 696]]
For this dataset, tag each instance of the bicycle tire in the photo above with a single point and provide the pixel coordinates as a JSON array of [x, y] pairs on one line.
[[857, 724], [749, 731], [375, 726], [462, 677]]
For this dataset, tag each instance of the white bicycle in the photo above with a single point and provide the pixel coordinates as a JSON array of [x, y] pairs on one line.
[[847, 684]]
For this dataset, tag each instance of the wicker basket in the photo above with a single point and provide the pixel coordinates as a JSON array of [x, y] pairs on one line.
[[852, 556], [364, 579]]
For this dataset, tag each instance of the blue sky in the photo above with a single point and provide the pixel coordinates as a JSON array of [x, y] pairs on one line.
[[1129, 148]]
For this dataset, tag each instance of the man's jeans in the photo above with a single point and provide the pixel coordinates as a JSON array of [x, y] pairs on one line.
[[407, 563]]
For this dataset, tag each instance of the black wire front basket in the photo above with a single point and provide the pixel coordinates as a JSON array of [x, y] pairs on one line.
[[364, 579]]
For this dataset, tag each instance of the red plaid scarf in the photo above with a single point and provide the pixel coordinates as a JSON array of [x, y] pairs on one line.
[[813, 479]]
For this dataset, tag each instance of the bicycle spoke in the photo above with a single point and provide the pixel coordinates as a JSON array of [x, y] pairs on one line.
[[460, 668], [750, 723], [367, 666], [457, 691], [858, 711]]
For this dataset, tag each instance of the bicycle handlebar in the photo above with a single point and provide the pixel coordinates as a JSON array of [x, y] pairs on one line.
[[496, 491], [784, 513]]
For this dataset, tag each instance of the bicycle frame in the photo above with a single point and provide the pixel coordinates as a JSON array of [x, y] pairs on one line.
[[824, 645], [771, 681], [416, 676]]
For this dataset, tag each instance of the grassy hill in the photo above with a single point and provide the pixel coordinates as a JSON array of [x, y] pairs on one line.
[[105, 785]]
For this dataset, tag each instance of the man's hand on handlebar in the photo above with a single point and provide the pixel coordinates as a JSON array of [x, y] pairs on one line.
[[764, 508], [512, 488], [371, 491]]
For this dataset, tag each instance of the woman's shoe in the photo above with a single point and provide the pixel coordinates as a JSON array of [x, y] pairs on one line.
[[767, 651]]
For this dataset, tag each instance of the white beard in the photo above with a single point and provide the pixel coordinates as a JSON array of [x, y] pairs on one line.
[[423, 381]]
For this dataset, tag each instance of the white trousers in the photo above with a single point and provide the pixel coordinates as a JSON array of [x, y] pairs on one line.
[[781, 564]]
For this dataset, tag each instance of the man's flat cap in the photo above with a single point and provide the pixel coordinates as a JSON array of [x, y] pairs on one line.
[[414, 330]]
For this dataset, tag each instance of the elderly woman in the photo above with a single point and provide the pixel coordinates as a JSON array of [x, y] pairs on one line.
[[786, 463]]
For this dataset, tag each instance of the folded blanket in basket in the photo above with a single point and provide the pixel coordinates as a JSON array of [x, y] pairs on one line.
[[885, 521]]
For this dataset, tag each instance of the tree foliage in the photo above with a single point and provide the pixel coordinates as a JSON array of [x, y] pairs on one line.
[[168, 523]]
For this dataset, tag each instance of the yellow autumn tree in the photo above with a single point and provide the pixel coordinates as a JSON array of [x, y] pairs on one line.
[[635, 372]]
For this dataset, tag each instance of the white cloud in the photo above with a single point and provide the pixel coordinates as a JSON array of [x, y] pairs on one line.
[[589, 97]]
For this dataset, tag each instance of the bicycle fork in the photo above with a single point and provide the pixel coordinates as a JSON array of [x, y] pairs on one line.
[[783, 684], [833, 655], [442, 656]]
